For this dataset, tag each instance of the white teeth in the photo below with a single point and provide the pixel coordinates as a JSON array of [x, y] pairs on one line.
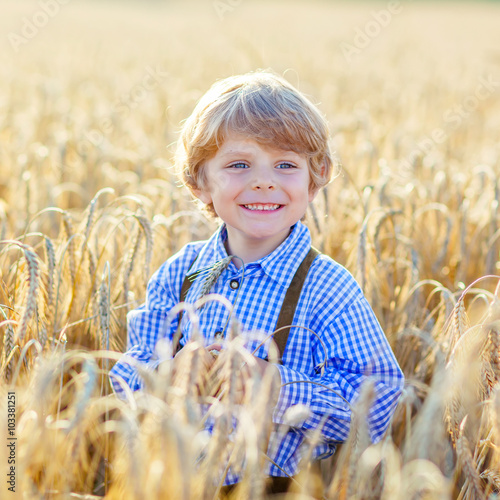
[[262, 207]]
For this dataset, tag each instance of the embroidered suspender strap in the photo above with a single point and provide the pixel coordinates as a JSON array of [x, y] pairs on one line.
[[289, 305]]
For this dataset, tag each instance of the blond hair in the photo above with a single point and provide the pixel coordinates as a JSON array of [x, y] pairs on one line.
[[264, 107]]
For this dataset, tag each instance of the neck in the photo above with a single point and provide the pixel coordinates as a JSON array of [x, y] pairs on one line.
[[250, 250]]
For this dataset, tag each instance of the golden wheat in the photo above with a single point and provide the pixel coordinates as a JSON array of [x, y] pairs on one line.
[[90, 206]]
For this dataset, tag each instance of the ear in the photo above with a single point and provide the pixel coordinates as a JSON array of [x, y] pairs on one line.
[[313, 193], [203, 195]]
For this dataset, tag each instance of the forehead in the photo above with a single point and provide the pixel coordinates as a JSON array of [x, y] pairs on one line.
[[235, 143]]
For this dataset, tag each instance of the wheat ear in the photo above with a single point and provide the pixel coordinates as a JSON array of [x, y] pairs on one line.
[[104, 314], [495, 398], [359, 438], [468, 464], [129, 265], [148, 233], [494, 338], [8, 347], [459, 324], [361, 262], [33, 283], [68, 228], [215, 271], [50, 256], [91, 217]]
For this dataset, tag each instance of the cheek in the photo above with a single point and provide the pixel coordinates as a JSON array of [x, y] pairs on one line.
[[299, 189], [220, 182]]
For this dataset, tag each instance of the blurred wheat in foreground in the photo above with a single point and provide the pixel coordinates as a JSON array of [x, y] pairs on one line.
[[89, 208]]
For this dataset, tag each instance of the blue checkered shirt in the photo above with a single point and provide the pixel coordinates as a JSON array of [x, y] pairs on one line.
[[331, 304]]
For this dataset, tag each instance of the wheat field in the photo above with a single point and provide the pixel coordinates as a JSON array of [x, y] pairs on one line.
[[92, 96]]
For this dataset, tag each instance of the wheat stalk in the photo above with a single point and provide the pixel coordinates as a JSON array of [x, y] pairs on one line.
[[446, 236], [469, 468], [129, 264]]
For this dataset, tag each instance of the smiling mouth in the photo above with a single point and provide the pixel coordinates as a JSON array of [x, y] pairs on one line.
[[261, 207]]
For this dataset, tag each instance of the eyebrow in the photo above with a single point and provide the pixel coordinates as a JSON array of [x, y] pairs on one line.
[[236, 152]]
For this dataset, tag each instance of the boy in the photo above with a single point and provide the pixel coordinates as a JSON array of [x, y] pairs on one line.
[[255, 153]]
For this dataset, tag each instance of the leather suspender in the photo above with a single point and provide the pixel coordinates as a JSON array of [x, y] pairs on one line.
[[288, 307], [291, 300], [186, 285]]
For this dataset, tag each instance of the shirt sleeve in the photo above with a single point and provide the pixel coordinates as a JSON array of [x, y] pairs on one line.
[[357, 350], [144, 327], [147, 324]]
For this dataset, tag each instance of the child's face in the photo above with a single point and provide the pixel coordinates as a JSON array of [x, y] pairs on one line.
[[259, 192]]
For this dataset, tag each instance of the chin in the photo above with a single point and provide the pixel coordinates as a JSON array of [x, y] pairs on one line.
[[269, 235]]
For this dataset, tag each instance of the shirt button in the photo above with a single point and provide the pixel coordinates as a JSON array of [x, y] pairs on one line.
[[234, 284]]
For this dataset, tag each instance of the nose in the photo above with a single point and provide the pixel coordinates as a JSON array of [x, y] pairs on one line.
[[263, 181], [270, 187]]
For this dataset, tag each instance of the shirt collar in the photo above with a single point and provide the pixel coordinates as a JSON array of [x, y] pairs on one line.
[[281, 263]]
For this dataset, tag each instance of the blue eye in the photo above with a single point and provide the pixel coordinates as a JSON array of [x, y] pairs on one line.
[[286, 166], [239, 165]]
